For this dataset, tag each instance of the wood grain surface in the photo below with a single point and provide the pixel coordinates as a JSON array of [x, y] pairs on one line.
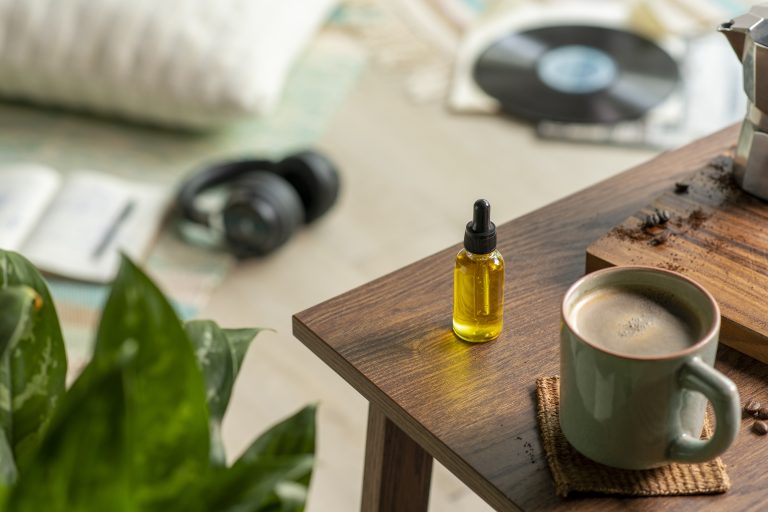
[[718, 235], [397, 469], [472, 407]]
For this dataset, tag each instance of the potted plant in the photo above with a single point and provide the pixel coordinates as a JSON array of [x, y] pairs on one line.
[[139, 430]]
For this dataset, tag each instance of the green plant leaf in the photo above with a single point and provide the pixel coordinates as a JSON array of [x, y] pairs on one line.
[[8, 471], [239, 340], [17, 310], [17, 305], [279, 459], [293, 439], [33, 370], [81, 463], [290, 496], [166, 420], [220, 353], [292, 436], [243, 486]]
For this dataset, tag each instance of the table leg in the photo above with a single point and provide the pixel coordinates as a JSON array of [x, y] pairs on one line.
[[397, 470]]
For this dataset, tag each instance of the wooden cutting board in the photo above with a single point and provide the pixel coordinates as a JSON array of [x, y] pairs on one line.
[[717, 235]]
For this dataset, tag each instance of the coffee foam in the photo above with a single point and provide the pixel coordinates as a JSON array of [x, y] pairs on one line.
[[636, 320]]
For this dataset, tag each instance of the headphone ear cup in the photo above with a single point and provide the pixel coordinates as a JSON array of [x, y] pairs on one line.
[[315, 179], [262, 213]]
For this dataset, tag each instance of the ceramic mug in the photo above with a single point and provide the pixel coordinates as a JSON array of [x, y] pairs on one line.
[[643, 411]]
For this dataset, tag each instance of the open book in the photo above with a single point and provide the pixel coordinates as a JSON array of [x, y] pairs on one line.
[[77, 225]]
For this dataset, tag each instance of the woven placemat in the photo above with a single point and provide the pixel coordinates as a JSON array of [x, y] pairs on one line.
[[573, 472]]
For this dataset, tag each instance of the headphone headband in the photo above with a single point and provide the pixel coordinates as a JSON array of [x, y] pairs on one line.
[[212, 176]]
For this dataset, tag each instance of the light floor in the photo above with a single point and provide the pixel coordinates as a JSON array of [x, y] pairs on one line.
[[410, 176]]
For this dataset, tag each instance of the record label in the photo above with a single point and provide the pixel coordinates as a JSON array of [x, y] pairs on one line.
[[576, 73], [577, 69]]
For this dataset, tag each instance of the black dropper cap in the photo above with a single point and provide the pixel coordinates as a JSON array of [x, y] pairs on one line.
[[480, 235]]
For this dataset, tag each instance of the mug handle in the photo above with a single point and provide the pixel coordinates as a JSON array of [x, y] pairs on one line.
[[696, 375]]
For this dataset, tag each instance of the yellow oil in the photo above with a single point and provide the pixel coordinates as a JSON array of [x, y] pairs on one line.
[[478, 296]]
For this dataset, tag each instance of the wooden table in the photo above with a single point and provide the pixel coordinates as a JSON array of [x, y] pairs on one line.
[[473, 407]]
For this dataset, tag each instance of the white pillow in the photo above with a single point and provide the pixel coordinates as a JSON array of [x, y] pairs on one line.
[[194, 63]]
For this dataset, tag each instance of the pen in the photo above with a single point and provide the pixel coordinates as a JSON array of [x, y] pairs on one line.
[[113, 228]]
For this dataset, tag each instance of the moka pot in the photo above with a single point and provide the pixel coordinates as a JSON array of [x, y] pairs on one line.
[[748, 35]]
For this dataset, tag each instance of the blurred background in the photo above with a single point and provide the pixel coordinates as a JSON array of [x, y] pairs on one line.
[[423, 106]]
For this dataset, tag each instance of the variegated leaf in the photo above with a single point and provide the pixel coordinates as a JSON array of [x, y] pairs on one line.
[[33, 370], [220, 353]]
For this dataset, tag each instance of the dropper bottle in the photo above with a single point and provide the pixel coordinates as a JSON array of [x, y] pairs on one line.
[[478, 280]]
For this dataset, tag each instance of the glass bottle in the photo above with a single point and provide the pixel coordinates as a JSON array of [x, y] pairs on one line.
[[478, 280]]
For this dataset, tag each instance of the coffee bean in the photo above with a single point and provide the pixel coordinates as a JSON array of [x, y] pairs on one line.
[[656, 219], [662, 238], [752, 407], [762, 413], [760, 428], [651, 221]]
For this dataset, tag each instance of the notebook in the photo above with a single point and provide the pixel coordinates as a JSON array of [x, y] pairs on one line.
[[76, 225]]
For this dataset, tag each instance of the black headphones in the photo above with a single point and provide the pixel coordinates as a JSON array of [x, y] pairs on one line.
[[267, 201]]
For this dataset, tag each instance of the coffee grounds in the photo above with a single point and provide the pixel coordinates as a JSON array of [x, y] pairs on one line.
[[674, 267], [634, 235], [717, 181], [723, 178], [696, 218], [723, 163]]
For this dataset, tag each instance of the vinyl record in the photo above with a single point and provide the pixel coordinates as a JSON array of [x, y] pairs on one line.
[[581, 74]]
